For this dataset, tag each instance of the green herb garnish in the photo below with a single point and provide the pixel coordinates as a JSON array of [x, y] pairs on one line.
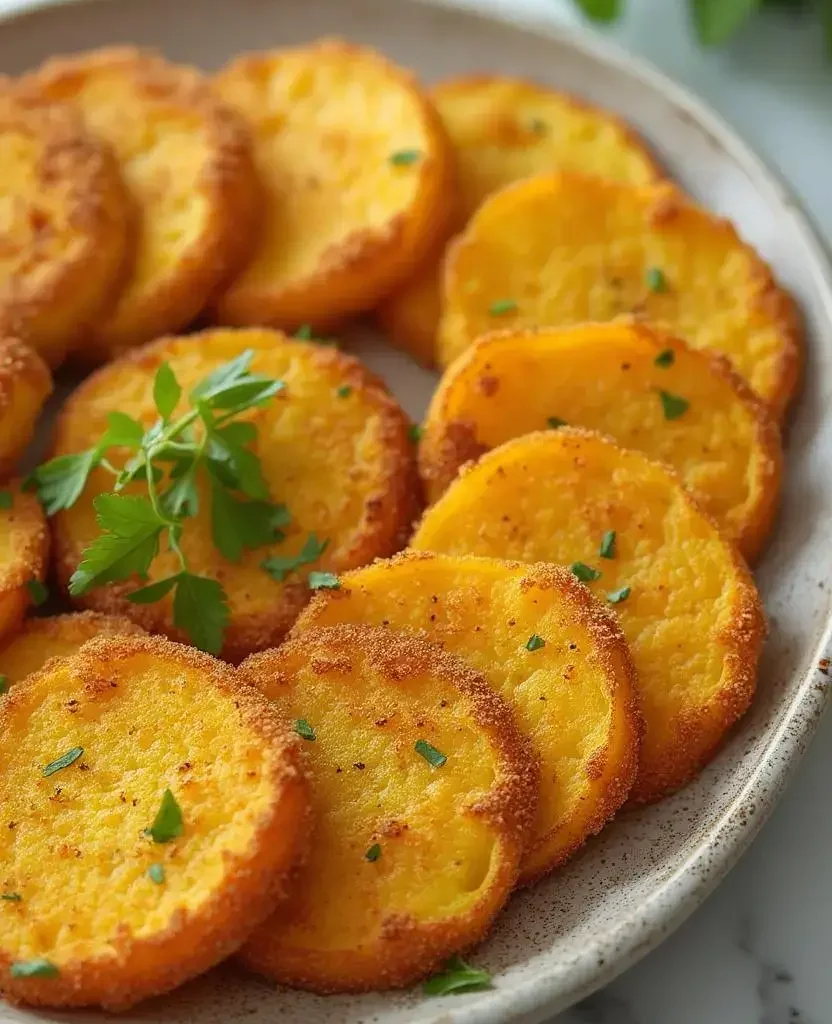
[[502, 306], [535, 642], [617, 596], [4, 684], [280, 566], [323, 581], [405, 157], [344, 391], [6, 499], [665, 358], [585, 573], [304, 332], [434, 757], [156, 873], [538, 126], [64, 761], [656, 280], [554, 422], [673, 406], [37, 592], [373, 853], [209, 441], [11, 897], [168, 823], [607, 549], [39, 968], [456, 976], [304, 729]]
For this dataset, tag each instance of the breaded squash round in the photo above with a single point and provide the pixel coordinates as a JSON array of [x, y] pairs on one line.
[[24, 553], [628, 528], [25, 384], [504, 129], [153, 806], [57, 636], [187, 163], [423, 793], [554, 654], [358, 180], [64, 220], [333, 446], [643, 387], [563, 249]]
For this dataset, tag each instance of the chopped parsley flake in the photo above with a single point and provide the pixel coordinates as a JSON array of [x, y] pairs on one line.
[[415, 432], [456, 976], [535, 642], [6, 499], [617, 596], [585, 573], [156, 873], [607, 549], [665, 358], [502, 306], [555, 421], [373, 853], [673, 406], [656, 280], [11, 897], [4, 684], [304, 729], [323, 581], [304, 333], [434, 757], [168, 823], [38, 968], [405, 157], [344, 391], [64, 761], [37, 592]]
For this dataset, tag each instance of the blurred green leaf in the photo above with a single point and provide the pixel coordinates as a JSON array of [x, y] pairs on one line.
[[826, 17], [601, 10], [717, 20]]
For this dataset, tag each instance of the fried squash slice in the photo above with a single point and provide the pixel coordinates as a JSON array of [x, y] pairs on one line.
[[503, 129], [646, 389], [562, 249], [423, 792], [56, 636], [187, 163], [628, 529], [24, 553], [357, 174], [546, 646], [64, 216], [153, 807], [333, 447], [25, 384]]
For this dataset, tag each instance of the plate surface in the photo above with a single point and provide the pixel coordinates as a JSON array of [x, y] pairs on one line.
[[638, 881]]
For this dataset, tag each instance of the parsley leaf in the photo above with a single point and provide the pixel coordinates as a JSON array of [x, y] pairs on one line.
[[435, 758], [673, 406], [154, 592], [156, 873], [373, 853], [4, 685], [240, 462], [200, 609], [585, 573], [535, 642], [607, 549], [60, 482], [456, 976], [122, 431], [166, 391], [6, 499], [555, 421], [37, 968], [405, 157], [280, 566], [502, 306], [126, 547], [717, 20], [38, 593], [304, 730], [64, 761], [656, 281], [323, 581], [665, 358], [617, 596], [168, 823], [237, 525], [11, 897]]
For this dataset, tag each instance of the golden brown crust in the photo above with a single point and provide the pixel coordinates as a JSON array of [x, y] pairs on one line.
[[698, 731], [388, 507], [226, 182], [450, 440], [613, 763], [24, 553], [358, 269], [25, 384], [41, 639], [75, 231], [406, 949], [252, 884]]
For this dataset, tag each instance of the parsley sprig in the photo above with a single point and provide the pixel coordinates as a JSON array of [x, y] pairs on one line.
[[161, 465]]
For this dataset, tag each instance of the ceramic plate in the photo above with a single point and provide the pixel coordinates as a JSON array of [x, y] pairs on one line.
[[635, 883]]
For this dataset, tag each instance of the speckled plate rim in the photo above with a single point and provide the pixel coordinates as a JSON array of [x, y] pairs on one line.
[[698, 875]]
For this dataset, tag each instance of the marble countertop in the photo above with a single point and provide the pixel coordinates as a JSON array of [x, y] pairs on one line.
[[759, 950]]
